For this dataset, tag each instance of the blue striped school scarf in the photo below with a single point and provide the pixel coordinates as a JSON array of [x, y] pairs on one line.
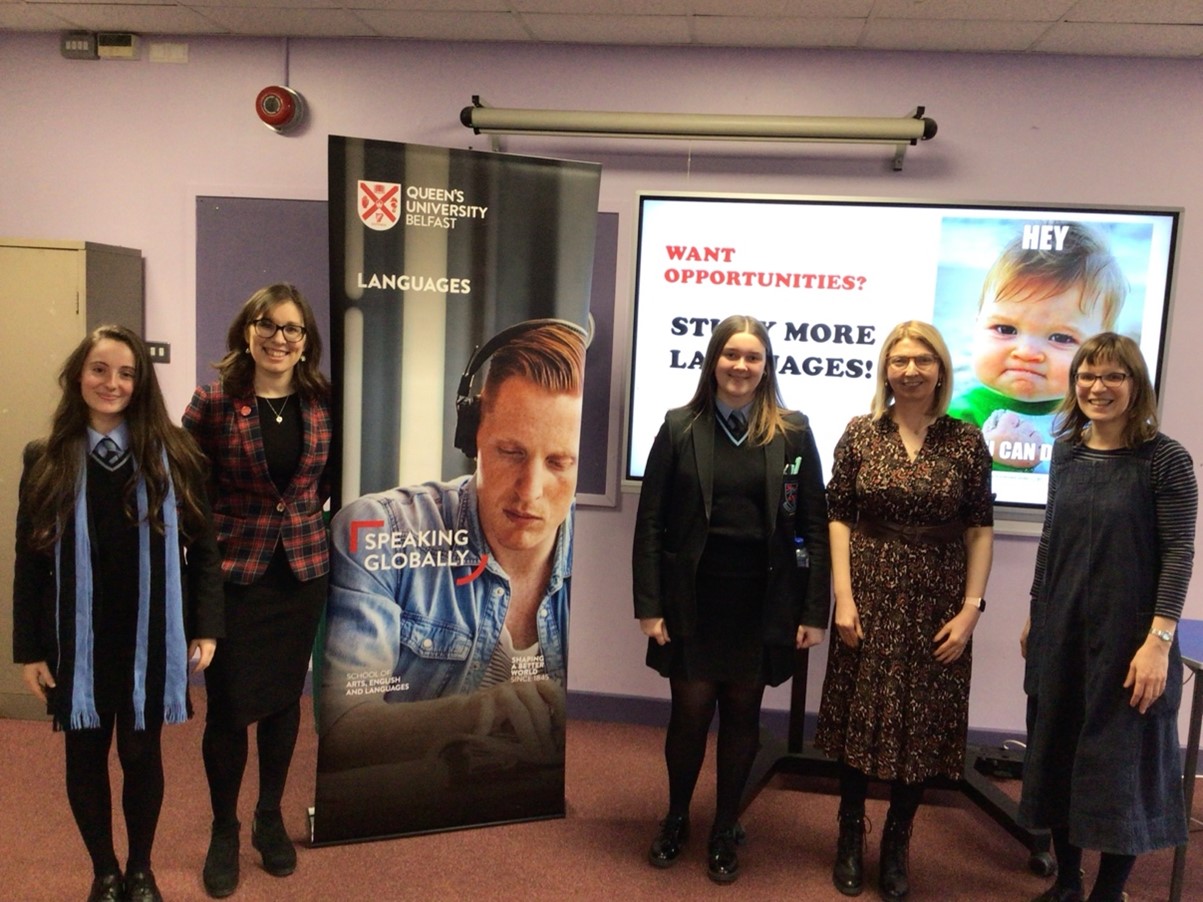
[[83, 702]]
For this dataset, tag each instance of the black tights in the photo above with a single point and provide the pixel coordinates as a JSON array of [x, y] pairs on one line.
[[905, 798], [1113, 869], [90, 795], [693, 706], [225, 753]]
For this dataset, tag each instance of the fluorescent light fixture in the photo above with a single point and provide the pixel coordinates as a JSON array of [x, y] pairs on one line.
[[902, 130]]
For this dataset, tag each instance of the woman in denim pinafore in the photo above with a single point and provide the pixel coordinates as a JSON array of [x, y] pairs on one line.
[[1104, 674]]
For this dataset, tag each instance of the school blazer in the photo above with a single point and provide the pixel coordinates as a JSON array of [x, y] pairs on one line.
[[674, 519], [249, 514]]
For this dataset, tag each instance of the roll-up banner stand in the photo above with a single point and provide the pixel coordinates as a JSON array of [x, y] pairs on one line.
[[459, 316]]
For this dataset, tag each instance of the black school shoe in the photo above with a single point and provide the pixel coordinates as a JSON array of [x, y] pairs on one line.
[[107, 888], [666, 847], [140, 886], [722, 861]]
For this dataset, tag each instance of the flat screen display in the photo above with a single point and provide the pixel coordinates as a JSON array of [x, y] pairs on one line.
[[1013, 289]]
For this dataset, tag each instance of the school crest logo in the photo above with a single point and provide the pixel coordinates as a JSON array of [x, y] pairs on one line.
[[379, 204], [790, 502]]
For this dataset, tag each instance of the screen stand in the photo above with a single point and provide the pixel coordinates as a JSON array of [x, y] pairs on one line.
[[798, 757]]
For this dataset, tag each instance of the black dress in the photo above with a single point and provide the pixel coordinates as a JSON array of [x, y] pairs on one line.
[[261, 665]]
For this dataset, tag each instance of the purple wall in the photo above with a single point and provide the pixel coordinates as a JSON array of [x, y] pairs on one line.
[[244, 244]]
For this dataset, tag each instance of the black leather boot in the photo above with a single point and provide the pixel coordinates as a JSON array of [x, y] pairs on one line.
[[895, 848], [848, 873]]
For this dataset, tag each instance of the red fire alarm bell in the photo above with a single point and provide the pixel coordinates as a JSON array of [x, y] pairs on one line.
[[280, 108]]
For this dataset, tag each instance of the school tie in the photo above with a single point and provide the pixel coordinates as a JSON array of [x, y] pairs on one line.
[[108, 454], [737, 424]]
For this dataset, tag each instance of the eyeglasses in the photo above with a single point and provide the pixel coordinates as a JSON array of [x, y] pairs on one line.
[[921, 361], [1111, 380], [265, 328]]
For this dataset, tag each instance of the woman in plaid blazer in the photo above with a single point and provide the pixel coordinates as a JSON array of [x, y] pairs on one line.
[[265, 427]]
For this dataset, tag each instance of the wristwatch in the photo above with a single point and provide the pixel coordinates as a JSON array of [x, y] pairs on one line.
[[979, 603], [1163, 635]]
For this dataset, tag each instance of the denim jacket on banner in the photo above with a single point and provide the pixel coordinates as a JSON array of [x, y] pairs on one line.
[[412, 614]]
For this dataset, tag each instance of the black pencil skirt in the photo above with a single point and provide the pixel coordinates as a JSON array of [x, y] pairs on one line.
[[260, 667]]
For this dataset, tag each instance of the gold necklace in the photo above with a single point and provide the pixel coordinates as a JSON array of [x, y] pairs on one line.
[[279, 413]]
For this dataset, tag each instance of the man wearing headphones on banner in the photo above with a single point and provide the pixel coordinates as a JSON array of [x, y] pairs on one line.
[[449, 600]]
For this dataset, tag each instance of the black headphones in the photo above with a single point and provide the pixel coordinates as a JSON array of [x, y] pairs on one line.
[[467, 407]]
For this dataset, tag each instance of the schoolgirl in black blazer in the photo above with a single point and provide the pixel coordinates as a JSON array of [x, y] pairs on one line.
[[730, 569]]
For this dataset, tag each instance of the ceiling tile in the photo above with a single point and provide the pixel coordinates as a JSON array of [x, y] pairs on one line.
[[606, 7], [137, 19], [289, 22], [984, 37], [425, 6], [776, 32], [826, 9], [1122, 40], [1157, 12], [444, 26], [986, 10], [115, 6], [607, 29], [203, 5], [25, 17]]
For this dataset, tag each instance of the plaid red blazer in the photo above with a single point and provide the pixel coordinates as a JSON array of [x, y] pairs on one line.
[[250, 515]]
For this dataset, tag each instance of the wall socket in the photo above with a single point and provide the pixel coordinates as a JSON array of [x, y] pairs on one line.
[[78, 45], [160, 351]]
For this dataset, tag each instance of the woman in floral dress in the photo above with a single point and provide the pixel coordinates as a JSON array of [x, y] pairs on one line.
[[911, 517]]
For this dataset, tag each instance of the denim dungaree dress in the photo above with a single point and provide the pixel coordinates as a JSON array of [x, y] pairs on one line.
[[1094, 763]]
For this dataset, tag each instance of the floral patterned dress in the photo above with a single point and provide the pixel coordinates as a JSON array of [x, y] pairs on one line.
[[889, 708]]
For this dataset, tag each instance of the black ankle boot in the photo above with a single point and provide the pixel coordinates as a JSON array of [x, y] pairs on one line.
[[220, 874], [895, 848], [274, 844], [848, 873]]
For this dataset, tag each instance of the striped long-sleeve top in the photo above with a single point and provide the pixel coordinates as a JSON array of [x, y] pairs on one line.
[[1176, 497]]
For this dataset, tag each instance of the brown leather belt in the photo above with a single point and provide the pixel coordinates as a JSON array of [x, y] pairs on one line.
[[915, 534]]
